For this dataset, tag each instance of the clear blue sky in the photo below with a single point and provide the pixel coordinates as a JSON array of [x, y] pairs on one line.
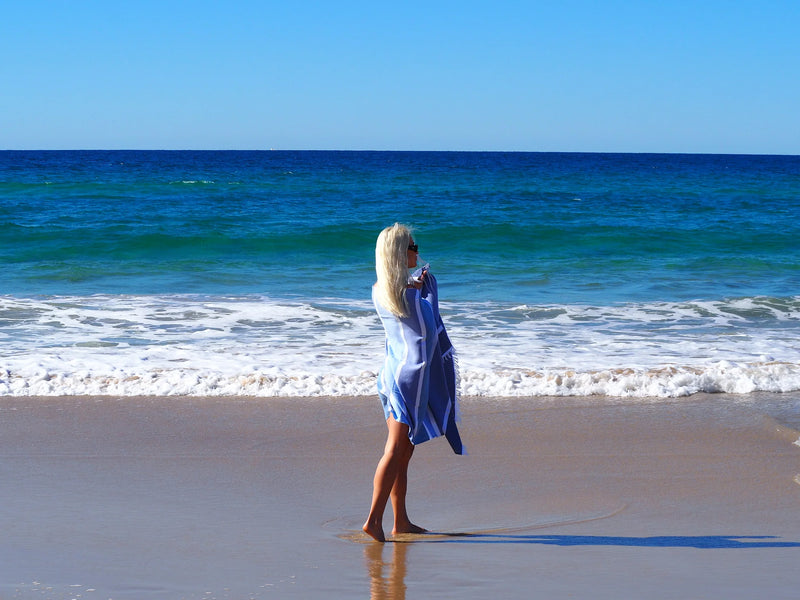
[[561, 75]]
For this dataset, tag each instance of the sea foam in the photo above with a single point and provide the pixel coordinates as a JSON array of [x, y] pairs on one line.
[[256, 346]]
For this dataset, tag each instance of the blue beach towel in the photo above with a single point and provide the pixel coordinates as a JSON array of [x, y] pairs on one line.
[[417, 384]]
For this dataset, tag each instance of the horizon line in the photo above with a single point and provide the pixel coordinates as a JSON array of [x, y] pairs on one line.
[[355, 150]]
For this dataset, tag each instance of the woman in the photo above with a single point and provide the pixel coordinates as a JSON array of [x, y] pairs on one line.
[[417, 384]]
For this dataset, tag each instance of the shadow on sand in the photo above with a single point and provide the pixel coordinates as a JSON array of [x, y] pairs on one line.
[[660, 541]]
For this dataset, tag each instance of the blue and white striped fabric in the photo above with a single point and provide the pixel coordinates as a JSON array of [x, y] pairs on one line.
[[417, 384]]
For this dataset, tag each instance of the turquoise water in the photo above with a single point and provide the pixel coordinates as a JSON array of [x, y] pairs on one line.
[[549, 264]]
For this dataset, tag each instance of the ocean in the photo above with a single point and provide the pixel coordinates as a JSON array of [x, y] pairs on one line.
[[136, 273]]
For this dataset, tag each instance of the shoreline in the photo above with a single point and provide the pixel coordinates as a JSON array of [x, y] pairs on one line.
[[176, 497]]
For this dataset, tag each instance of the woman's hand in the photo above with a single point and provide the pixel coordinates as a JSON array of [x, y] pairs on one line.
[[418, 282]]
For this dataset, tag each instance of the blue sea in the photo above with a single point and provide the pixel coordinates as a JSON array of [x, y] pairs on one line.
[[248, 273]]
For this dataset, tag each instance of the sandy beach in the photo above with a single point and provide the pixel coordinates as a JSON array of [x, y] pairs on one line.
[[131, 498]]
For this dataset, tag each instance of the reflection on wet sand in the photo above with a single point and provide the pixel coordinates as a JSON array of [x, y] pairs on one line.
[[387, 578]]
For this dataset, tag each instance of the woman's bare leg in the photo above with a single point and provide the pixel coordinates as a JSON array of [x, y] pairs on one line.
[[402, 524], [396, 455]]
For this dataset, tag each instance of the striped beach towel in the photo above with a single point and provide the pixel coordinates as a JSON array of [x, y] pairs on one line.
[[417, 384]]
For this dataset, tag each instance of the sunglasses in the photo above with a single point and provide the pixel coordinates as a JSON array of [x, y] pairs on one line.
[[413, 247]]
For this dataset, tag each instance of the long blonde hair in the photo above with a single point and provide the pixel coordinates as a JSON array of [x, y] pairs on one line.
[[391, 266]]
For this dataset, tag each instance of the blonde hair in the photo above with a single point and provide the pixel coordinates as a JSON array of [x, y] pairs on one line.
[[391, 266]]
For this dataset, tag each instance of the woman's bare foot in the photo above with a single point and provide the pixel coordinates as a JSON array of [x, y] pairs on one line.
[[375, 531], [408, 528]]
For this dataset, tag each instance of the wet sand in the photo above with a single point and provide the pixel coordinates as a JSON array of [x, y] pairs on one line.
[[255, 498]]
